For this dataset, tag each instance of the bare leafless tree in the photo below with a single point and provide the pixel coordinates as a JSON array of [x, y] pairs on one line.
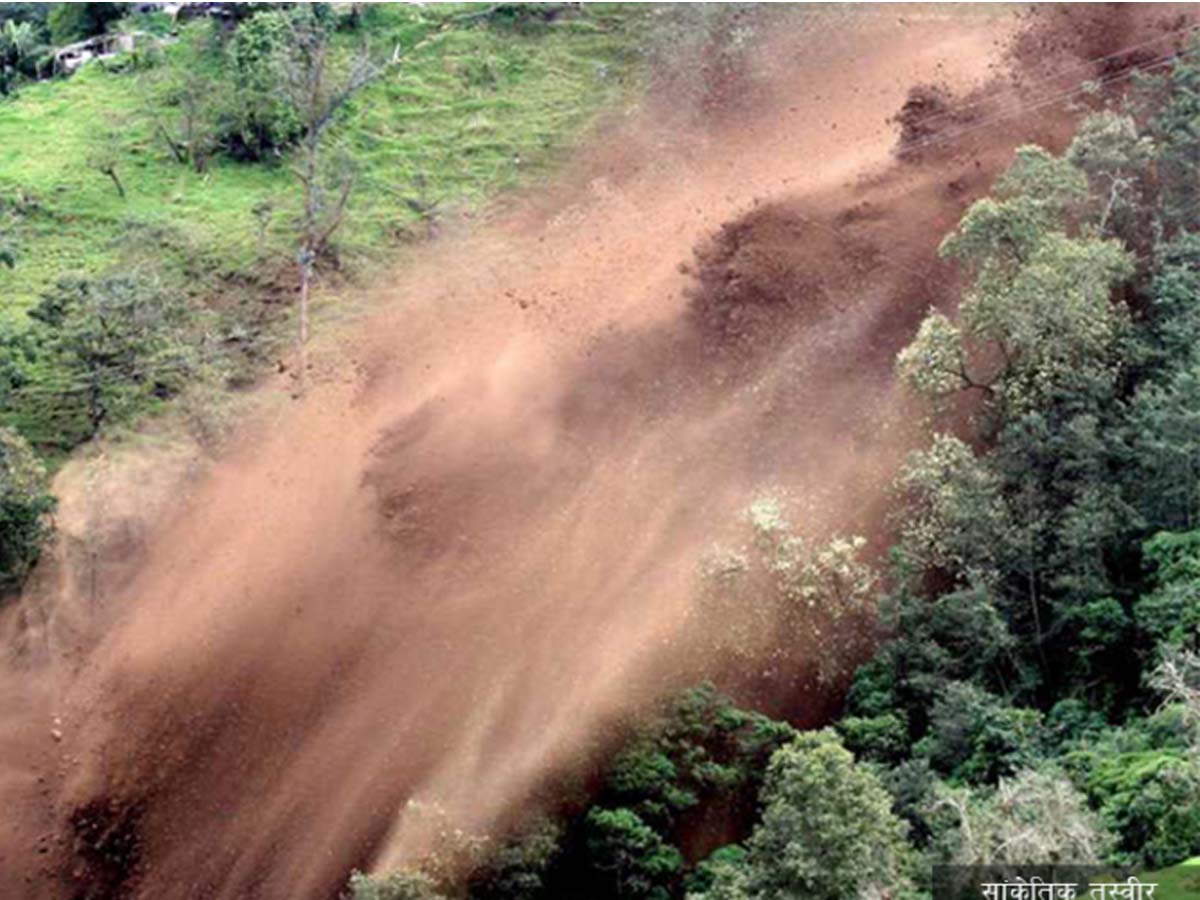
[[1177, 678], [318, 86], [319, 82]]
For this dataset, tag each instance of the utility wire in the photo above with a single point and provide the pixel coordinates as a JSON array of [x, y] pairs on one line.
[[1077, 66]]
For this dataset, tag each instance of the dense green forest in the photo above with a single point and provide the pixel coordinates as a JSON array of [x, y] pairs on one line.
[[1036, 692], [1033, 692]]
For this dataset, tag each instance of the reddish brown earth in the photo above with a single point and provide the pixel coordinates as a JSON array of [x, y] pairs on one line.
[[472, 547]]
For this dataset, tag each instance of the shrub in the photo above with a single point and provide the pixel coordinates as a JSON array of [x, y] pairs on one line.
[[393, 886], [1151, 801], [827, 830], [260, 122], [24, 509], [630, 855]]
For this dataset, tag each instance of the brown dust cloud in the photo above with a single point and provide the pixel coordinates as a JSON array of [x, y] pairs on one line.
[[471, 550]]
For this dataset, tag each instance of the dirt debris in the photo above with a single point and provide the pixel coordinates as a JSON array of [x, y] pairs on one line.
[[405, 600]]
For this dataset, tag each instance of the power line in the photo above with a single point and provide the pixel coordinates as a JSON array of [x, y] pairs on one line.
[[1081, 64], [1042, 102]]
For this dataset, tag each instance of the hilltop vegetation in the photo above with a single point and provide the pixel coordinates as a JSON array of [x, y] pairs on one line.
[[162, 179]]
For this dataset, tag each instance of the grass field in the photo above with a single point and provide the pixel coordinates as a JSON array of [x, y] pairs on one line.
[[1181, 882], [479, 107]]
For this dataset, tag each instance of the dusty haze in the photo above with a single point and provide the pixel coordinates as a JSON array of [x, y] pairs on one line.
[[471, 549]]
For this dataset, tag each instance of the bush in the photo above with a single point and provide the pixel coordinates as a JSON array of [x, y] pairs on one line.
[[976, 736], [827, 830], [1151, 801], [260, 122], [393, 886], [24, 509], [71, 22]]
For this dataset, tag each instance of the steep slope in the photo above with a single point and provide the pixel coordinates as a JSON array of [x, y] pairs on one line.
[[473, 546]]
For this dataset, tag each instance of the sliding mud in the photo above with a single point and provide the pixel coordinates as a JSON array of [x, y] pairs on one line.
[[471, 549]]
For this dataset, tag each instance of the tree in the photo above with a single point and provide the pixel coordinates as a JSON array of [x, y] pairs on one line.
[[106, 159], [630, 855], [1040, 516], [954, 518], [827, 830], [975, 736], [1150, 799], [1169, 615], [20, 51], [720, 876], [1177, 679], [518, 869], [1027, 331], [788, 595], [1038, 316], [317, 88], [953, 637], [25, 507], [116, 342], [1034, 817], [702, 748], [1118, 161], [263, 120], [73, 21], [1164, 428], [187, 103], [393, 886], [1175, 129]]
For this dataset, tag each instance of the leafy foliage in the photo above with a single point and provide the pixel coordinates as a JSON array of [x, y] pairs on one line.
[[20, 54], [786, 594], [1034, 817], [974, 736], [827, 830], [519, 868], [71, 22], [259, 120], [393, 886], [1151, 801], [1046, 571], [98, 352], [703, 747], [630, 858], [24, 508]]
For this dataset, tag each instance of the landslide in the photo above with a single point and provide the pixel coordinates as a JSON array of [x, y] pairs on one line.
[[397, 604]]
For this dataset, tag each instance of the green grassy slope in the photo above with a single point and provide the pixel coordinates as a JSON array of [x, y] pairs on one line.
[[466, 116], [1181, 882], [480, 104]]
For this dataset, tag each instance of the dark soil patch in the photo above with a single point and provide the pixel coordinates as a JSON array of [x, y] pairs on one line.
[[930, 111], [775, 267], [108, 844]]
